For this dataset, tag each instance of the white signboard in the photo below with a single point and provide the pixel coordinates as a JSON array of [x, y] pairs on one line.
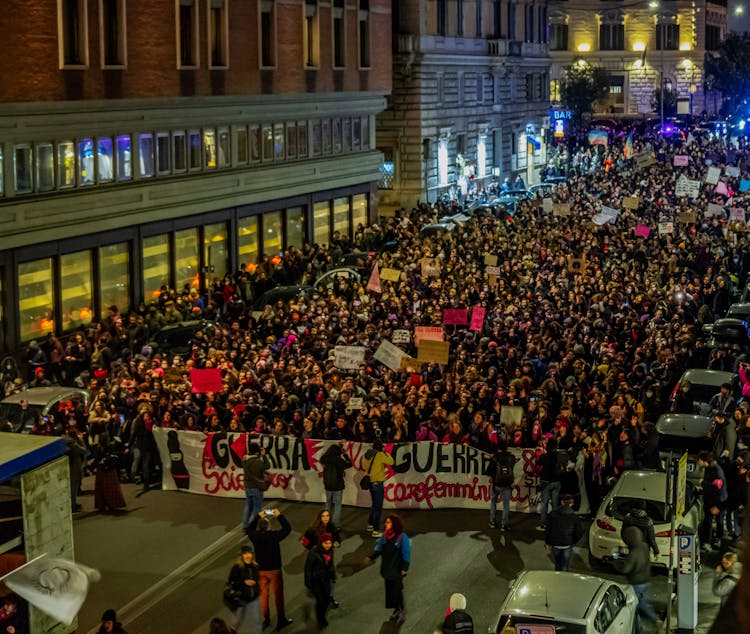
[[348, 357], [389, 355], [712, 176], [401, 336]]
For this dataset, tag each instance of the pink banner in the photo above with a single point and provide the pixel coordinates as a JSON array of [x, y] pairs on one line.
[[477, 318], [680, 160], [430, 333], [208, 380], [455, 316], [642, 231]]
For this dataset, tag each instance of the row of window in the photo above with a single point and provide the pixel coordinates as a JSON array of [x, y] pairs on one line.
[[504, 20], [612, 37], [60, 165], [74, 48], [64, 285]]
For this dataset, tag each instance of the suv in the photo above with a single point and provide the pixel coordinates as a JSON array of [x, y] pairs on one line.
[[41, 401], [679, 433], [175, 339]]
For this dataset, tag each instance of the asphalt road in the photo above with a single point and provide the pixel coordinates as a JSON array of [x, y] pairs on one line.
[[165, 560]]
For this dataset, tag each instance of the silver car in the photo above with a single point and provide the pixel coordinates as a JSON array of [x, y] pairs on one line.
[[548, 601], [40, 401]]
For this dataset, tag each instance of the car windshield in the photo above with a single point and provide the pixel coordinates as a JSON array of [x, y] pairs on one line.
[[513, 620], [14, 413], [620, 507], [703, 393]]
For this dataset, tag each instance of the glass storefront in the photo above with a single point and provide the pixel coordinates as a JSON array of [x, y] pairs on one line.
[[124, 160], [75, 290], [322, 222], [66, 161], [146, 154], [155, 265], [187, 274], [341, 216], [209, 147], [216, 250], [272, 233], [22, 168], [104, 156], [295, 227], [114, 277], [45, 166], [86, 171], [359, 210], [247, 240], [35, 299]]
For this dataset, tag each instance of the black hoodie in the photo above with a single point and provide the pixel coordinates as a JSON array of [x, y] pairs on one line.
[[636, 565]]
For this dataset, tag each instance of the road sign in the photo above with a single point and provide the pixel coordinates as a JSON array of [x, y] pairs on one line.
[[535, 629], [682, 465]]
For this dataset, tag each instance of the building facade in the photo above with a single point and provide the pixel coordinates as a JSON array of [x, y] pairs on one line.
[[470, 100], [164, 143], [642, 45]]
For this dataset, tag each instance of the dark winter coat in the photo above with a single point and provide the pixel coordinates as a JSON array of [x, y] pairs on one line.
[[564, 527], [335, 462], [458, 622], [640, 519], [636, 565], [319, 572], [237, 576], [266, 543]]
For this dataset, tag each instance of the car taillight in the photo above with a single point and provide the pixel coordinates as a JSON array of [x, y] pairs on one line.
[[605, 526], [666, 533], [674, 392]]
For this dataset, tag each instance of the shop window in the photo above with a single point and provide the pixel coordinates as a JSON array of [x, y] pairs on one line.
[[35, 299], [66, 162], [272, 233], [322, 222], [341, 217], [215, 250], [112, 28], [325, 131], [291, 140], [316, 137], [187, 33], [209, 148], [267, 142], [155, 265], [194, 149], [217, 34], [76, 295], [146, 154], [86, 162], [222, 148], [163, 153], [179, 150], [187, 267], [22, 169], [255, 143], [124, 158], [295, 227], [336, 134], [45, 167], [114, 277], [104, 159], [247, 239], [278, 142], [241, 143], [346, 135], [359, 210], [302, 139]]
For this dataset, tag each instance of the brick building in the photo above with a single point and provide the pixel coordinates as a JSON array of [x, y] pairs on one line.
[[145, 143]]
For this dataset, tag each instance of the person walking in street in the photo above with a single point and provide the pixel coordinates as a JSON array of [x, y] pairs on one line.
[[564, 530], [319, 575], [268, 558], [726, 576], [76, 450], [636, 566], [313, 535], [638, 517], [243, 579], [335, 462], [714, 496], [107, 490], [457, 621], [110, 624], [254, 464], [552, 463], [394, 547], [376, 460], [501, 473], [143, 447]]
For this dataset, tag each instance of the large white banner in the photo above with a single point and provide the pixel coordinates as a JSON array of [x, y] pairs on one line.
[[425, 475]]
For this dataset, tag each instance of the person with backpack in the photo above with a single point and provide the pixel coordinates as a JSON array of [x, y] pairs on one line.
[[552, 465], [335, 462], [715, 496], [500, 471]]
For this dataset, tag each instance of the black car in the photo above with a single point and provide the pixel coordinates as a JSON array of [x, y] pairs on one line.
[[728, 333], [283, 293], [176, 339]]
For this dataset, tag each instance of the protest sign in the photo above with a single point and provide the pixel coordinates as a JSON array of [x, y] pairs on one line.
[[430, 267], [686, 217], [680, 160], [686, 188], [642, 231], [737, 213], [433, 351], [389, 355], [712, 175], [744, 185], [172, 375], [731, 171], [348, 357], [601, 219], [206, 380], [721, 188], [355, 403], [402, 336], [561, 209], [477, 318], [666, 228], [492, 270], [576, 265], [432, 333], [374, 283], [490, 259], [410, 364], [455, 316], [390, 275], [547, 204], [631, 202], [644, 160], [714, 210], [511, 415]]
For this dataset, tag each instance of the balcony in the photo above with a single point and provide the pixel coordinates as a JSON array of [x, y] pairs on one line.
[[405, 43], [511, 48]]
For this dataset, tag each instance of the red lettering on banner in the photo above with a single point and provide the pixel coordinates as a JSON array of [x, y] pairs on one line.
[[221, 479], [431, 488]]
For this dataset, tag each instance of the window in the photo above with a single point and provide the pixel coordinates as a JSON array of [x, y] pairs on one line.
[[610, 606], [186, 271], [187, 33], [179, 151], [72, 22], [325, 133], [291, 139], [272, 233], [511, 21], [146, 154], [387, 168], [346, 134], [497, 18], [310, 43], [215, 249], [163, 153], [443, 162], [611, 37], [2, 167], [359, 210], [85, 157], [76, 296], [267, 34], [218, 42], [336, 135], [364, 33], [481, 157], [22, 163], [112, 30], [529, 23], [341, 216], [542, 22], [155, 265], [66, 164], [356, 133], [223, 149], [302, 139], [478, 19], [442, 17], [667, 36], [529, 87], [558, 37], [114, 277], [554, 90], [295, 227], [247, 239], [460, 18], [241, 145], [195, 145], [45, 167], [209, 148], [255, 143], [104, 160], [35, 299], [267, 142], [713, 37], [124, 161], [278, 142], [322, 222], [339, 33], [316, 137]]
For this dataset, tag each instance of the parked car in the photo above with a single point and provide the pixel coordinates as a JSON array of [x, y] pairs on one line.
[[741, 310], [568, 603], [42, 401], [704, 384], [435, 229], [631, 489], [283, 293], [176, 339], [679, 433], [542, 189], [328, 279]]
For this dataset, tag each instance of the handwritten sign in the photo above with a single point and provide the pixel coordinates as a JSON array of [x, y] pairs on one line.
[[492, 270], [631, 202], [737, 213], [427, 333], [490, 259], [712, 176], [642, 231], [666, 228], [644, 160], [686, 217], [561, 209], [207, 380], [433, 352], [511, 415], [477, 318], [401, 336], [721, 188], [455, 316], [744, 185], [390, 275], [714, 210], [355, 403], [348, 357], [547, 204], [389, 355], [430, 267], [686, 188], [680, 160], [410, 364]]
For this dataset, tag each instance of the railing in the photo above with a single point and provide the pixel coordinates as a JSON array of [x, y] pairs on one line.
[[405, 43]]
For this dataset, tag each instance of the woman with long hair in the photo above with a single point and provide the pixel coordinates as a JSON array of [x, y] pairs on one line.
[[323, 525], [107, 491], [319, 576], [246, 617]]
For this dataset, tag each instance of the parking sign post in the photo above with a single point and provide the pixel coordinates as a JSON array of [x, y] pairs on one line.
[[687, 583]]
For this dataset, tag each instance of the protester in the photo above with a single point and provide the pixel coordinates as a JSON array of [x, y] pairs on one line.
[[638, 517], [714, 496], [319, 575], [244, 579], [107, 490], [110, 624], [76, 449], [254, 464], [394, 546], [376, 460], [218, 626], [564, 530], [268, 559], [457, 620], [726, 576], [501, 472], [335, 462]]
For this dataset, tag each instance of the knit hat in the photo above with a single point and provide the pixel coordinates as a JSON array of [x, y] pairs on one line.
[[457, 602], [326, 537], [246, 548], [109, 615]]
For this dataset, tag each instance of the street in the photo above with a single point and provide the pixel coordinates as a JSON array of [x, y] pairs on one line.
[[164, 563]]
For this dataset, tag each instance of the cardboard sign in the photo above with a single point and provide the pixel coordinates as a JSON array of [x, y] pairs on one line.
[[390, 275], [666, 228], [490, 259], [430, 267], [455, 316], [561, 209], [686, 188], [712, 176], [355, 403], [492, 270], [576, 265], [206, 380], [427, 333], [732, 172], [389, 355], [644, 160], [172, 375], [631, 202], [511, 415], [349, 357], [401, 336], [433, 352], [737, 213], [547, 204], [410, 363], [680, 160], [642, 231], [714, 210], [686, 217], [721, 188], [374, 283], [477, 318]]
